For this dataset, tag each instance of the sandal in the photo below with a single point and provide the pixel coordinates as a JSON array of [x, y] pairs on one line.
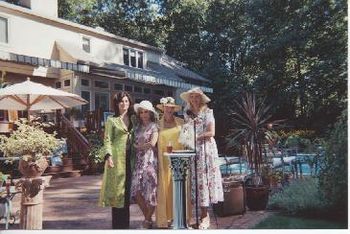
[[205, 222], [147, 224]]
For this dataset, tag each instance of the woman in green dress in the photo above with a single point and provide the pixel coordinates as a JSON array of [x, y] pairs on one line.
[[115, 190]]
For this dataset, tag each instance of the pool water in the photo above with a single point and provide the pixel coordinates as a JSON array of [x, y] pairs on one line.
[[244, 169]]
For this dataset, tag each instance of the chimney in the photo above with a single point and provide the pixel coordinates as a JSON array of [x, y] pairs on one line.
[[43, 7]]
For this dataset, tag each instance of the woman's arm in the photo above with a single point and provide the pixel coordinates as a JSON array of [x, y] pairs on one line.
[[210, 132], [108, 143], [149, 144]]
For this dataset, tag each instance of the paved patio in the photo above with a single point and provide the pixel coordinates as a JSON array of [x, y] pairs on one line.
[[71, 203]]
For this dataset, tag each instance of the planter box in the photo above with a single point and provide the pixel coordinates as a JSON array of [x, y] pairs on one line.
[[234, 198]]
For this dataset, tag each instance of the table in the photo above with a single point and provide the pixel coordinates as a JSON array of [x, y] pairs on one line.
[[179, 164]]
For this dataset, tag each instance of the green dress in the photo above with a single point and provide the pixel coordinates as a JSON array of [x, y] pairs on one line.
[[117, 139]]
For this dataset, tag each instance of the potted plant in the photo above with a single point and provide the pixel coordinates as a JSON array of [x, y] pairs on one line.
[[31, 144], [96, 152], [252, 127]]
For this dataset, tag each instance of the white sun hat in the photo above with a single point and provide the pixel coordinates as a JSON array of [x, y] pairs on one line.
[[185, 95], [147, 105]]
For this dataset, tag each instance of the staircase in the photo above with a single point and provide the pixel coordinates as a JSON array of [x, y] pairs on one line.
[[76, 162]]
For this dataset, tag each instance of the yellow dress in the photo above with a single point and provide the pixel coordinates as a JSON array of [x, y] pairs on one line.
[[164, 209]]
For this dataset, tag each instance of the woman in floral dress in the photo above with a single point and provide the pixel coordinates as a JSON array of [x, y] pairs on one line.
[[144, 182], [209, 182]]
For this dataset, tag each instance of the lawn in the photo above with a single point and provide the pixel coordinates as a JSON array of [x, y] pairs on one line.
[[278, 221]]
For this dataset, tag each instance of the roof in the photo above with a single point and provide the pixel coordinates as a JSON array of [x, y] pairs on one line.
[[179, 68], [156, 74], [97, 31], [76, 53]]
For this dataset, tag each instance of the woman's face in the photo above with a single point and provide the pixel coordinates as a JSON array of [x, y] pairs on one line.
[[195, 100], [145, 115], [124, 104], [168, 111]]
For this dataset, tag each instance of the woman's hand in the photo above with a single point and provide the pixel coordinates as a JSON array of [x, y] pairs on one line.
[[143, 146], [109, 162], [203, 137]]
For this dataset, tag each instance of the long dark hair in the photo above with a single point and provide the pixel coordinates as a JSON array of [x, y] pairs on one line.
[[118, 98]]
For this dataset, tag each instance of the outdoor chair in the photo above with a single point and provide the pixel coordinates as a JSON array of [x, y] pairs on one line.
[[7, 193]]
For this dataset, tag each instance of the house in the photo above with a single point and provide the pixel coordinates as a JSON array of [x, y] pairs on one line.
[[86, 61]]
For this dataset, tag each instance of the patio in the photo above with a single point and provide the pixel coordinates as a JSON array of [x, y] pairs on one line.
[[71, 203]]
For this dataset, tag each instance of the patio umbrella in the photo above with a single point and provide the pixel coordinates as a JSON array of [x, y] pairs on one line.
[[29, 95]]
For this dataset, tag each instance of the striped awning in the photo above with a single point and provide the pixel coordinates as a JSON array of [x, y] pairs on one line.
[[155, 76]]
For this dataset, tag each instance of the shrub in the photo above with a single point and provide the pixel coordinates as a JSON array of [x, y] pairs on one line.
[[334, 173], [29, 141], [299, 197], [303, 140], [96, 151]]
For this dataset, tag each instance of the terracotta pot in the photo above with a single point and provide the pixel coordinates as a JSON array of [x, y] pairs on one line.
[[257, 197], [54, 169], [32, 169]]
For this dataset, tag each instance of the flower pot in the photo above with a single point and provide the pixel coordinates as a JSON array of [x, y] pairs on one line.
[[54, 169], [257, 197], [67, 164], [30, 169]]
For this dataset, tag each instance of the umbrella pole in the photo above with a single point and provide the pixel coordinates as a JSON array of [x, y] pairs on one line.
[[28, 107]]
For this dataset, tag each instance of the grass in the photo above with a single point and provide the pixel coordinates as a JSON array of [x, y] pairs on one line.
[[279, 221]]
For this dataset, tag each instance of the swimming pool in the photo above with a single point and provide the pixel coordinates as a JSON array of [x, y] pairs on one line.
[[236, 165]]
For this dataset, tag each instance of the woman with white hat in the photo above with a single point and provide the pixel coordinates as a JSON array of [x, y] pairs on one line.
[[169, 130], [209, 183], [144, 182]]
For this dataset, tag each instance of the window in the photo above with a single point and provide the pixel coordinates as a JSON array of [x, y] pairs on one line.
[[58, 85], [85, 82], [86, 44], [133, 58], [101, 84], [118, 87], [86, 95], [147, 90], [2, 115], [159, 92], [4, 37], [126, 56], [140, 60], [137, 89], [128, 88], [101, 101], [67, 83]]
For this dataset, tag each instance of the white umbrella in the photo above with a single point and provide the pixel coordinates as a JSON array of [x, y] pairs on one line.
[[29, 95]]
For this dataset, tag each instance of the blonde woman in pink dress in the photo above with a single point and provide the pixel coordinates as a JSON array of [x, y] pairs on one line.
[[209, 181]]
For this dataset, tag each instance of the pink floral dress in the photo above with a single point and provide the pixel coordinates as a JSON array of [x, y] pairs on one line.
[[145, 174], [210, 189]]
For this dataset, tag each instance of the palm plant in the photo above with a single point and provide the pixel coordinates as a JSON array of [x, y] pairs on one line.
[[252, 127]]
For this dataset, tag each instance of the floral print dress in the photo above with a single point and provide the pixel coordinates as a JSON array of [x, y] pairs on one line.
[[145, 174], [210, 189]]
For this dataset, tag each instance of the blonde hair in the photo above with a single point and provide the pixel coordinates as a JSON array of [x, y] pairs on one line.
[[202, 107]]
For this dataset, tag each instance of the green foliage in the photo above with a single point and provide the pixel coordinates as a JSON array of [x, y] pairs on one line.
[[28, 141], [250, 129], [291, 52], [278, 221], [299, 197], [97, 151], [334, 172], [78, 11]]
